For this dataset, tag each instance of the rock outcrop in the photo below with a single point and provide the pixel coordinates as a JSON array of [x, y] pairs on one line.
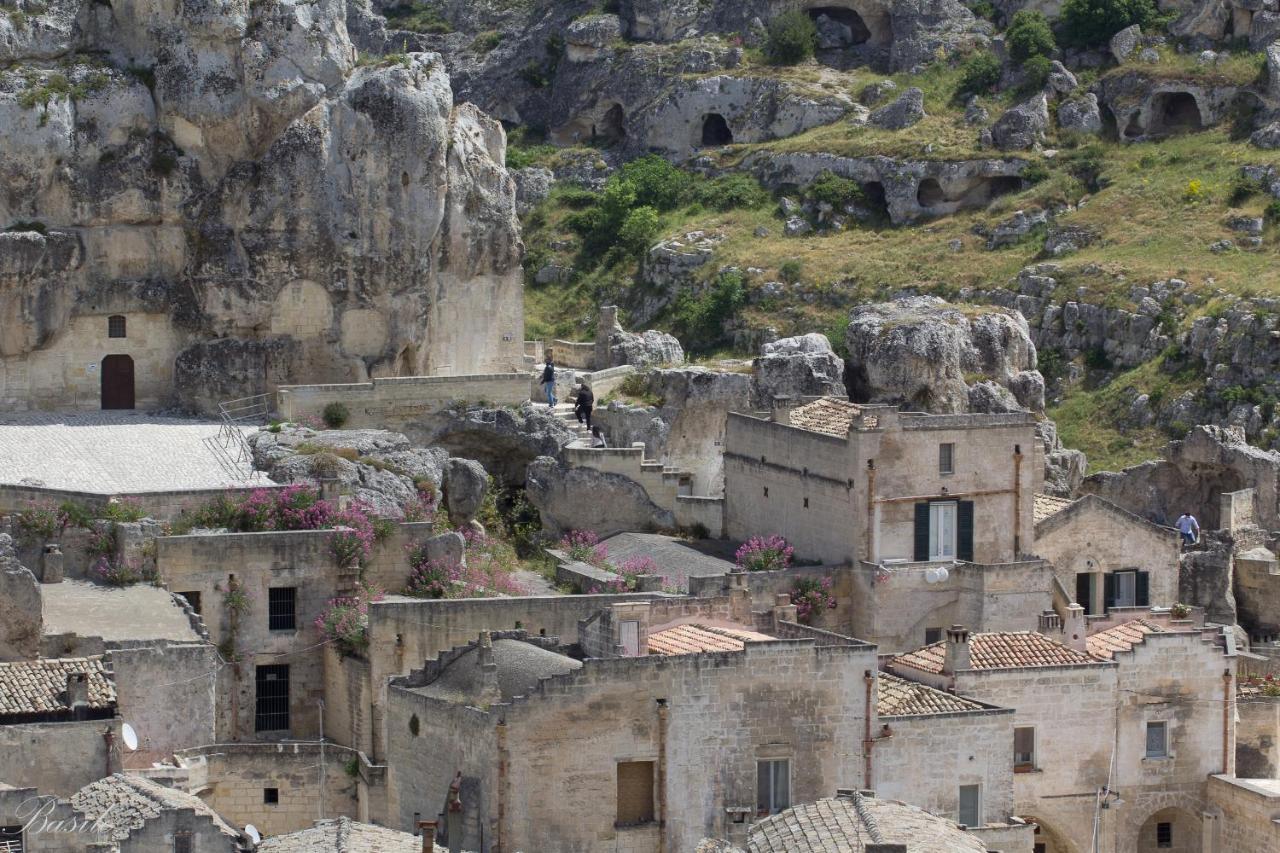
[[20, 607], [802, 366], [225, 176], [917, 352], [586, 499], [465, 485], [504, 441]]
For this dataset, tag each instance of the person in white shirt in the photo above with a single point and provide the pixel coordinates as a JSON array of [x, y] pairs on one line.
[[1189, 528]]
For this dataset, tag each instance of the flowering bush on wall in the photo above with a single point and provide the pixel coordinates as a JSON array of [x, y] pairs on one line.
[[345, 621], [764, 555], [122, 572], [811, 596], [488, 571], [585, 547]]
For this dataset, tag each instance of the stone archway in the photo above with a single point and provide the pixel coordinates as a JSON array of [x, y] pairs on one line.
[[1174, 112], [716, 130], [1173, 830], [1047, 838], [117, 382]]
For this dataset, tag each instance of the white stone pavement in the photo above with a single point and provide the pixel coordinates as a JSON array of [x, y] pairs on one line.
[[113, 452]]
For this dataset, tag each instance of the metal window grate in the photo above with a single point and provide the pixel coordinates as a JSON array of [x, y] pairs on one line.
[[281, 608], [116, 326], [182, 843], [272, 698], [11, 839], [1164, 835]]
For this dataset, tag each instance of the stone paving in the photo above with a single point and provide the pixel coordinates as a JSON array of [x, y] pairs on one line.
[[113, 452], [139, 612]]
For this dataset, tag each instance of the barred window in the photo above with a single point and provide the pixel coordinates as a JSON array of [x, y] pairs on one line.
[[281, 613], [115, 326]]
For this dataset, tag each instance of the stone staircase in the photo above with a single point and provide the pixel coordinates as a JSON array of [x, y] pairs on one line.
[[563, 412]]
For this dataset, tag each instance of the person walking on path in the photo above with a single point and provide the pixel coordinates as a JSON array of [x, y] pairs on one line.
[[549, 382], [1189, 528], [586, 401]]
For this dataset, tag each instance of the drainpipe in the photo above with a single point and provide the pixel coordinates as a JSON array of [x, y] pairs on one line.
[[501, 840], [867, 742], [871, 511], [1017, 501], [110, 738], [663, 714], [1228, 714]]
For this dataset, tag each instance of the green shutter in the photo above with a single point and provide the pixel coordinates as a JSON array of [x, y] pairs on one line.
[[964, 531], [1142, 590], [1109, 590], [1084, 591], [922, 531]]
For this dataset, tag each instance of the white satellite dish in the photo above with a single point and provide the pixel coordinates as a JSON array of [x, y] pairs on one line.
[[930, 575], [252, 831], [129, 736], [943, 574]]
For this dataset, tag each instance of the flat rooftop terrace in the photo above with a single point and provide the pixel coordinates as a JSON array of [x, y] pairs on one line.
[[116, 614], [113, 452]]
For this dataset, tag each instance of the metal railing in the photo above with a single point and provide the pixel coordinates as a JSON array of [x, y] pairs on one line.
[[229, 444]]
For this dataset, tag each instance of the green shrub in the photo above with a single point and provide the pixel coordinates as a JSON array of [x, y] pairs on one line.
[[639, 229], [732, 192], [1029, 35], [335, 415], [790, 270], [979, 73], [1034, 173], [417, 17], [834, 190], [700, 319], [655, 182], [1271, 213], [1092, 23], [576, 198], [1037, 70], [1097, 359], [793, 37], [486, 41]]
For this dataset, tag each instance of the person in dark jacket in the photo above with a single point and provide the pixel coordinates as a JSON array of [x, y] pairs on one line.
[[549, 382], [586, 401]]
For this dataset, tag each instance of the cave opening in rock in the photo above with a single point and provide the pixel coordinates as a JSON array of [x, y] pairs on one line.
[[877, 202], [930, 193], [715, 130], [611, 129], [1003, 185], [1176, 112], [838, 27]]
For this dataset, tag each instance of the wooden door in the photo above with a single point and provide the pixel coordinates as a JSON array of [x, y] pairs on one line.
[[117, 382]]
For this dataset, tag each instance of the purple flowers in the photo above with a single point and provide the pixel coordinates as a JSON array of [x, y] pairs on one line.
[[764, 555], [810, 596], [487, 572], [345, 621], [585, 547], [124, 572]]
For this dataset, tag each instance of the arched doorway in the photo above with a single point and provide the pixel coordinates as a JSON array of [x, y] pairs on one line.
[[1171, 829], [117, 382], [611, 129], [1046, 839], [715, 130]]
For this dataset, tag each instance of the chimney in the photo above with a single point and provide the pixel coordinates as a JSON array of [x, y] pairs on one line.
[[1074, 629], [51, 566], [77, 691], [783, 609], [781, 408], [957, 650], [428, 830], [485, 657]]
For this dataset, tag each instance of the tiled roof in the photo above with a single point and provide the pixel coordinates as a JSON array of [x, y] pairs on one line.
[[691, 639], [848, 824], [344, 835], [40, 686], [828, 415], [128, 802], [998, 650], [897, 697], [1048, 505], [1104, 644]]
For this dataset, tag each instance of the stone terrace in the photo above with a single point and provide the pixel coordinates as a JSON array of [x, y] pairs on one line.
[[121, 452], [138, 612]]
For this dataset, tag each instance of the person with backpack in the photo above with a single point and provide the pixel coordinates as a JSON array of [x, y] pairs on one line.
[[549, 382]]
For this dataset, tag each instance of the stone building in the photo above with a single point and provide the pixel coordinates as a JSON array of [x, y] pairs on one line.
[[1106, 557], [1121, 736], [142, 816], [845, 482], [343, 835]]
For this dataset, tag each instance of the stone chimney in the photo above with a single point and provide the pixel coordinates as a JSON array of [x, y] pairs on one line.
[[428, 830], [783, 609], [781, 407], [1074, 629], [52, 564], [78, 691], [490, 692], [957, 650], [485, 657]]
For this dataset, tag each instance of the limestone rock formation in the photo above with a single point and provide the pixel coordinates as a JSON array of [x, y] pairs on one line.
[[1080, 115], [917, 351], [504, 441], [20, 607], [227, 179], [1023, 126], [570, 498], [797, 367], [465, 485], [902, 113]]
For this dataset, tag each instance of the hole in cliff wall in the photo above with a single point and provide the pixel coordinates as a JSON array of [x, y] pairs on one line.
[[1110, 127], [1003, 185], [876, 200], [930, 193], [839, 28], [1175, 112], [715, 130], [611, 129]]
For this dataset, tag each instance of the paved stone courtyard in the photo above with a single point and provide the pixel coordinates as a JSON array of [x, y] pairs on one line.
[[113, 452]]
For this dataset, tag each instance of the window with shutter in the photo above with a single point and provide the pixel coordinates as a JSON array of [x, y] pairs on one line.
[[1157, 740], [942, 530], [1125, 589], [1084, 592], [921, 551], [182, 842], [1142, 589], [1109, 590], [964, 534], [1024, 748], [970, 805], [630, 638], [11, 840], [635, 792], [773, 787]]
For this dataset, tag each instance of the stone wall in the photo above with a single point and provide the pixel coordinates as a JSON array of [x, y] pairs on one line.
[[393, 403], [1256, 577], [1257, 736], [348, 693], [162, 506], [927, 757], [231, 778], [58, 758], [1246, 813], [168, 693]]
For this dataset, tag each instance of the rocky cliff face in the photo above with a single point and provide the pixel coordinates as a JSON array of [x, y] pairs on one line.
[[233, 176]]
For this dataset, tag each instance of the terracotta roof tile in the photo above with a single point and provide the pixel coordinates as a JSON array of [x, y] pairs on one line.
[[343, 835], [1104, 644], [829, 415], [40, 686], [692, 639], [998, 650], [847, 825], [1048, 505], [897, 697], [128, 802]]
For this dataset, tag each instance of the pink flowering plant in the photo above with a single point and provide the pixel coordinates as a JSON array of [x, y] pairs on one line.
[[487, 572], [764, 555], [585, 547], [120, 572], [811, 596], [345, 621]]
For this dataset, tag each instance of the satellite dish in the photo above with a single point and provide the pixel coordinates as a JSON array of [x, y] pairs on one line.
[[930, 575], [252, 831], [943, 574], [129, 736]]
